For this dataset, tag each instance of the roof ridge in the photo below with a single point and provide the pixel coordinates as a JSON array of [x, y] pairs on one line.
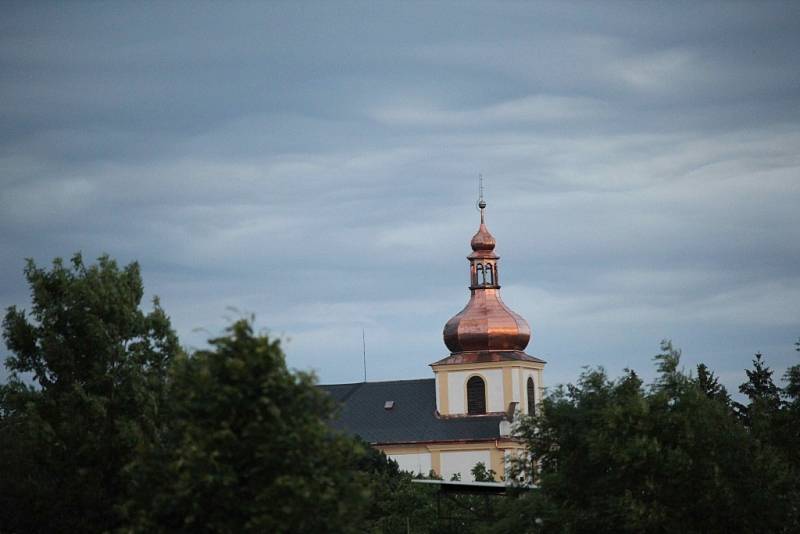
[[378, 382]]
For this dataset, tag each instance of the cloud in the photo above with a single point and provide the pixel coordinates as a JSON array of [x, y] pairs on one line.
[[529, 109], [317, 166]]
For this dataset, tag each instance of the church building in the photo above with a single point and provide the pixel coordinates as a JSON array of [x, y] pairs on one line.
[[464, 414]]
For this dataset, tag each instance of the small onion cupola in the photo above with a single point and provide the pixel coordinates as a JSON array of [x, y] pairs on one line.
[[485, 324]]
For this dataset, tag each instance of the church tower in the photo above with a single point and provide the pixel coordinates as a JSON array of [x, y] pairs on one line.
[[487, 371], [465, 414]]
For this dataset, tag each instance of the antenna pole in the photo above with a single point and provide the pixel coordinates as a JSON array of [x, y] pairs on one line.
[[364, 350]]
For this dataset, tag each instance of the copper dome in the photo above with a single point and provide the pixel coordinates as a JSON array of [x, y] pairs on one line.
[[482, 240], [485, 323]]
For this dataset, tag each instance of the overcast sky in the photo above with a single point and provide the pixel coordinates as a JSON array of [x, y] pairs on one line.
[[316, 164]]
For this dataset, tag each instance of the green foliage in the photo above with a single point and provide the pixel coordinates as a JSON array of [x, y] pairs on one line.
[[710, 386], [120, 431], [792, 378], [783, 424], [670, 379], [613, 456], [481, 474], [99, 367], [248, 449], [763, 394], [396, 504], [399, 505], [519, 512]]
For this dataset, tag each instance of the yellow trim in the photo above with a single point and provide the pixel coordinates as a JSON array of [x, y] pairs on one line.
[[540, 384], [487, 365], [417, 448], [444, 393], [498, 464], [476, 446], [435, 449], [521, 376], [436, 462], [485, 393], [508, 387], [496, 449], [403, 449]]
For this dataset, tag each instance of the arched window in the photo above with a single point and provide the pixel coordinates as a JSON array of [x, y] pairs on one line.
[[488, 273], [531, 397], [479, 275], [476, 395]]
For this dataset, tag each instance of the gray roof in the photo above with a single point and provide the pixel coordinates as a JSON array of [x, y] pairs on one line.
[[412, 418]]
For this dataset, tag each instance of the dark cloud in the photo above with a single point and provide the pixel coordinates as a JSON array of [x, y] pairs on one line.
[[316, 164]]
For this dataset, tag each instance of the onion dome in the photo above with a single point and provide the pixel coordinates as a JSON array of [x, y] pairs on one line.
[[485, 324], [482, 240]]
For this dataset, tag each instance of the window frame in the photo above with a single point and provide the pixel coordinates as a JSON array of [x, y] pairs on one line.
[[483, 400], [530, 392]]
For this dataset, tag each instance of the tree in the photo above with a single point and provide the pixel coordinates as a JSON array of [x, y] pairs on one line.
[[248, 449], [760, 387], [98, 365], [397, 505], [792, 378], [710, 386], [481, 474], [786, 424], [613, 456], [762, 414]]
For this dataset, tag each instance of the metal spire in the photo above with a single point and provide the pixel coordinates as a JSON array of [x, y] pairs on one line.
[[481, 202]]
